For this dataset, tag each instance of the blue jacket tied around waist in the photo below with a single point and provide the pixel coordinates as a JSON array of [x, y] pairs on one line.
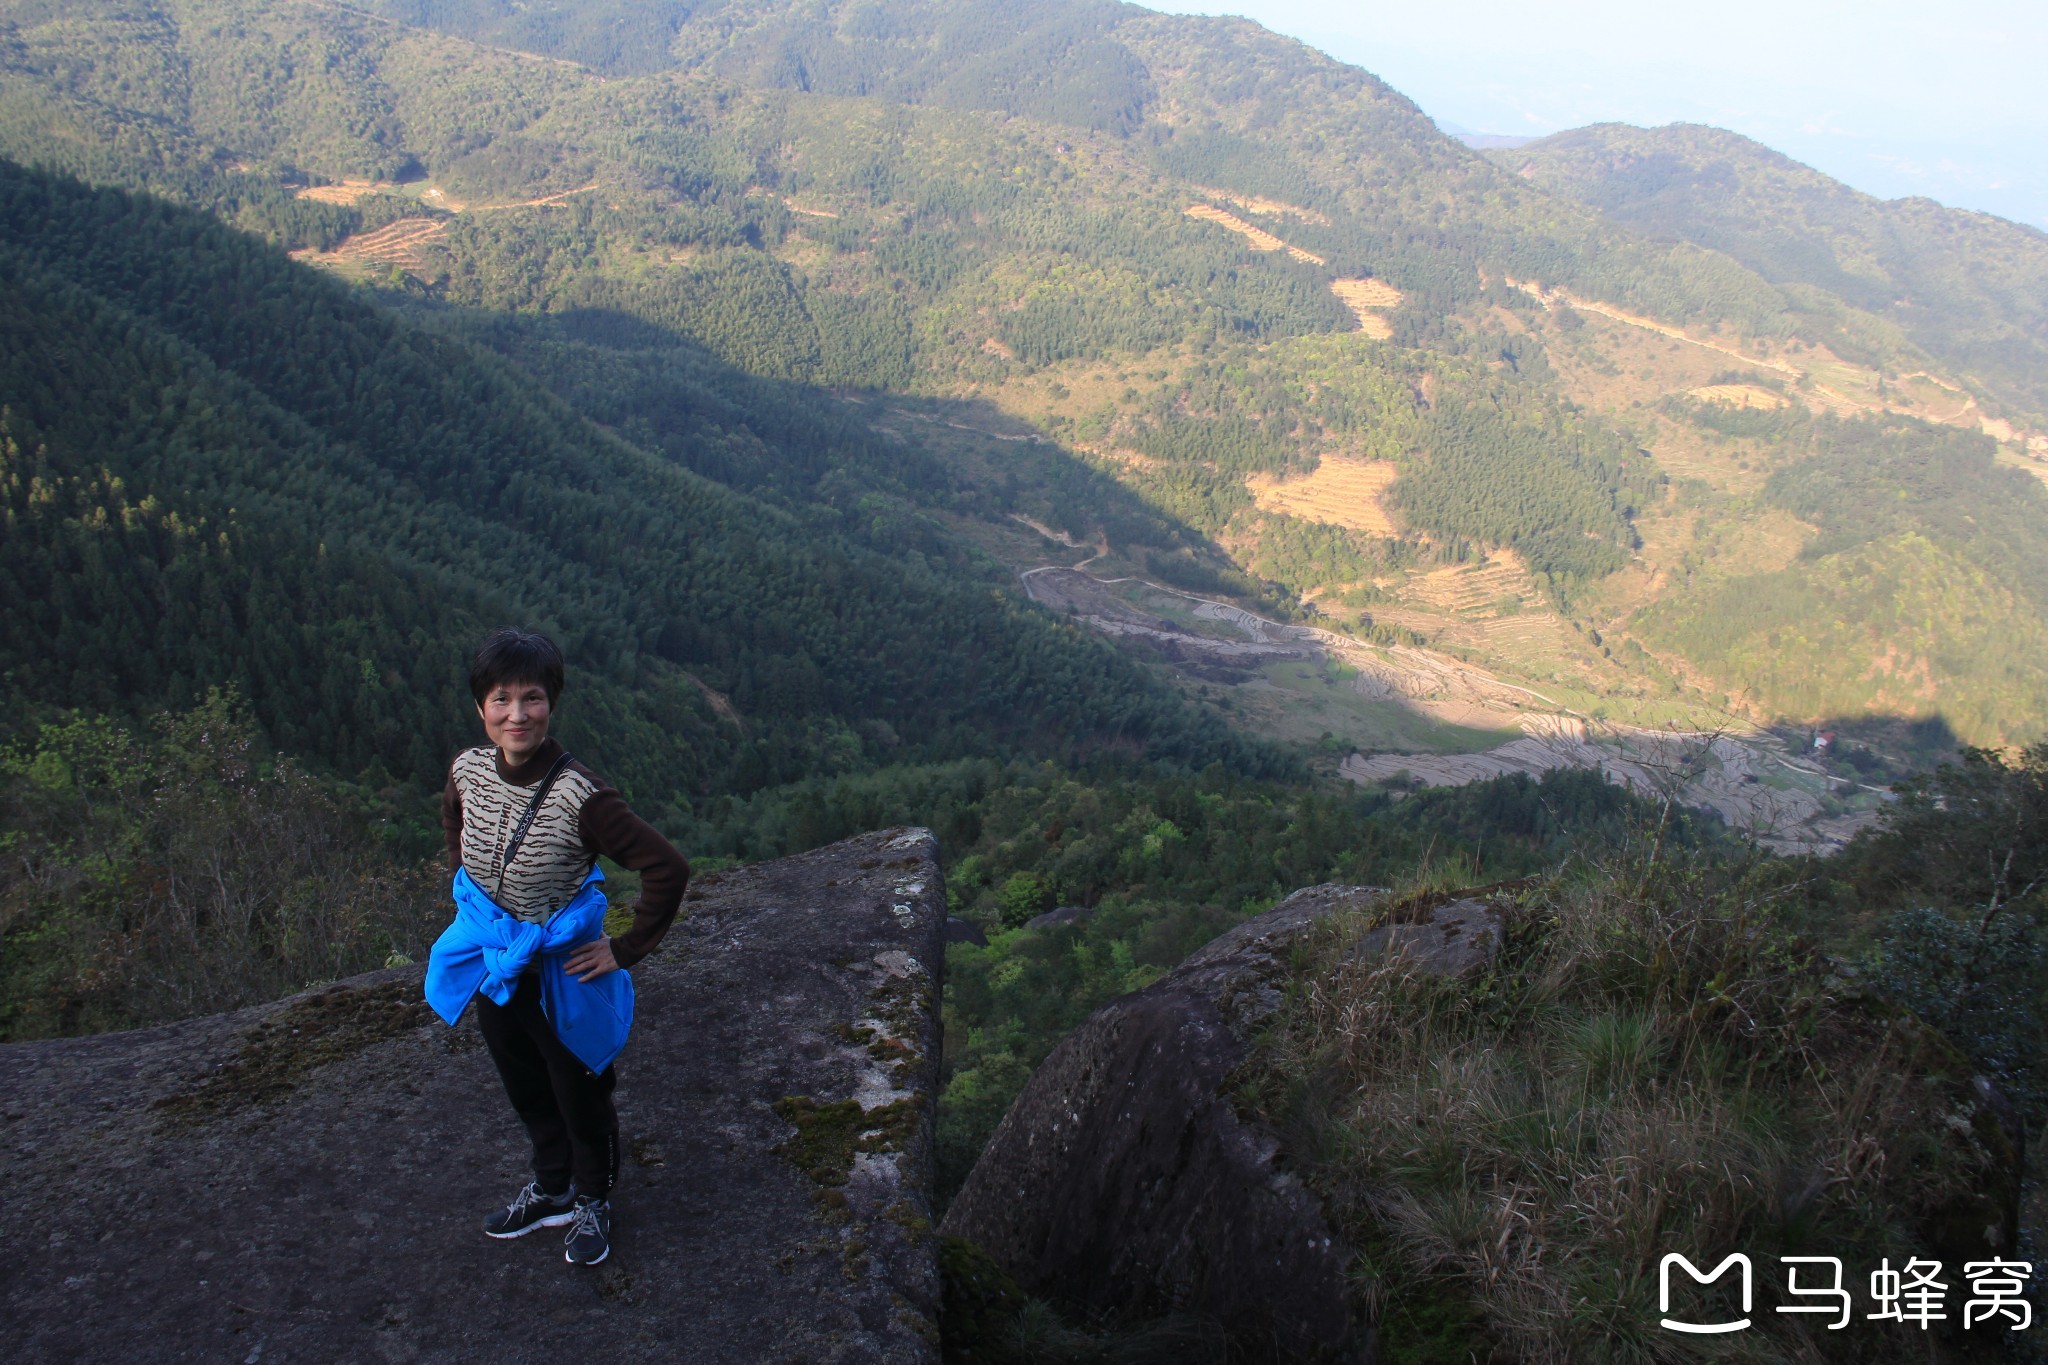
[[486, 949]]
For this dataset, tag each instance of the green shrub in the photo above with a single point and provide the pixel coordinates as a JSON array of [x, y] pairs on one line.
[[1024, 895], [153, 877]]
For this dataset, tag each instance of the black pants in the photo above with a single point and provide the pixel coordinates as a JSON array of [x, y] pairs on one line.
[[566, 1107]]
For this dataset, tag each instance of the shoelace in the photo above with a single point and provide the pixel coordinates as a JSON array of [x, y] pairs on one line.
[[529, 1197], [586, 1219]]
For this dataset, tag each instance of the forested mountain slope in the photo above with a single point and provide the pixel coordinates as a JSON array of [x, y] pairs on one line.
[[1967, 288], [223, 467], [1210, 308]]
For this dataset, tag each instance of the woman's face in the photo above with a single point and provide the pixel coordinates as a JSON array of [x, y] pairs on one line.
[[515, 716]]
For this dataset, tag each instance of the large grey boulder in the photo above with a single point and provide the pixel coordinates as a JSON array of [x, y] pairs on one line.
[[303, 1181], [1123, 1180]]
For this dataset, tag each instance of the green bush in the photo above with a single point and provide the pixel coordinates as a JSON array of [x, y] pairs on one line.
[[1024, 895], [156, 876], [1980, 983]]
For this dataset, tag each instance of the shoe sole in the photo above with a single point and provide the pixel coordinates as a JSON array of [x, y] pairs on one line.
[[552, 1221], [600, 1258]]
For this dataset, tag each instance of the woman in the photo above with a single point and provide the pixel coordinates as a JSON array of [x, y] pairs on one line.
[[525, 824]]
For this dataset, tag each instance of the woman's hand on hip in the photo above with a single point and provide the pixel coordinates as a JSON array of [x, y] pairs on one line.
[[589, 961]]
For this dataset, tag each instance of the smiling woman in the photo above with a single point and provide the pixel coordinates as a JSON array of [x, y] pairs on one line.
[[525, 825], [515, 680]]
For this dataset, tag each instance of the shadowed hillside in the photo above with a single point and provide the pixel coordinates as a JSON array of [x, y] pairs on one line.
[[234, 470]]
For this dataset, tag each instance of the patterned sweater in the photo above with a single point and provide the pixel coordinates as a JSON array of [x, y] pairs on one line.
[[581, 818]]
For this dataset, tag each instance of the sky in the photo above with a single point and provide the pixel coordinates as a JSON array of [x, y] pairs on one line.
[[1894, 98]]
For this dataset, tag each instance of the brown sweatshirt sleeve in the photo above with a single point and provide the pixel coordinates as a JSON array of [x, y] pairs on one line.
[[451, 822], [610, 828]]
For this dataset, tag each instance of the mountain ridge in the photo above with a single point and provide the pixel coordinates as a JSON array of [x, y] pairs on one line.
[[473, 472], [1719, 189]]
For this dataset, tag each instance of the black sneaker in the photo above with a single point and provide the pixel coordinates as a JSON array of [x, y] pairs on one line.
[[590, 1232], [531, 1208]]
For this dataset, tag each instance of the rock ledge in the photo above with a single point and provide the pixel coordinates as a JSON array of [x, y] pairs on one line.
[[303, 1180]]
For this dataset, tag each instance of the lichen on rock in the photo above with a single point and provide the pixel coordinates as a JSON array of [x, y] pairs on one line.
[[309, 1032], [830, 1136]]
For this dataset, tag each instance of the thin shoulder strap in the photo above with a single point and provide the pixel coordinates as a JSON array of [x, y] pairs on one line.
[[540, 794]]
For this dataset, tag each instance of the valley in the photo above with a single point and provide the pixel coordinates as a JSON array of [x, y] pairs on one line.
[[1432, 721]]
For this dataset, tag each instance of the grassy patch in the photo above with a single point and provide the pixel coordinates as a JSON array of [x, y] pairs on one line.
[[988, 1320], [1301, 700], [1652, 1066]]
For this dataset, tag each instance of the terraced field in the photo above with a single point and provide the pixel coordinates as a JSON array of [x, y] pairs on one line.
[[1258, 237], [1339, 493], [1528, 640], [1462, 589], [347, 192], [1367, 293], [1367, 299], [1492, 607], [1740, 396], [396, 244], [1264, 207]]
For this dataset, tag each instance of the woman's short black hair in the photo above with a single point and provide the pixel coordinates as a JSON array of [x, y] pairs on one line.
[[515, 656]]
